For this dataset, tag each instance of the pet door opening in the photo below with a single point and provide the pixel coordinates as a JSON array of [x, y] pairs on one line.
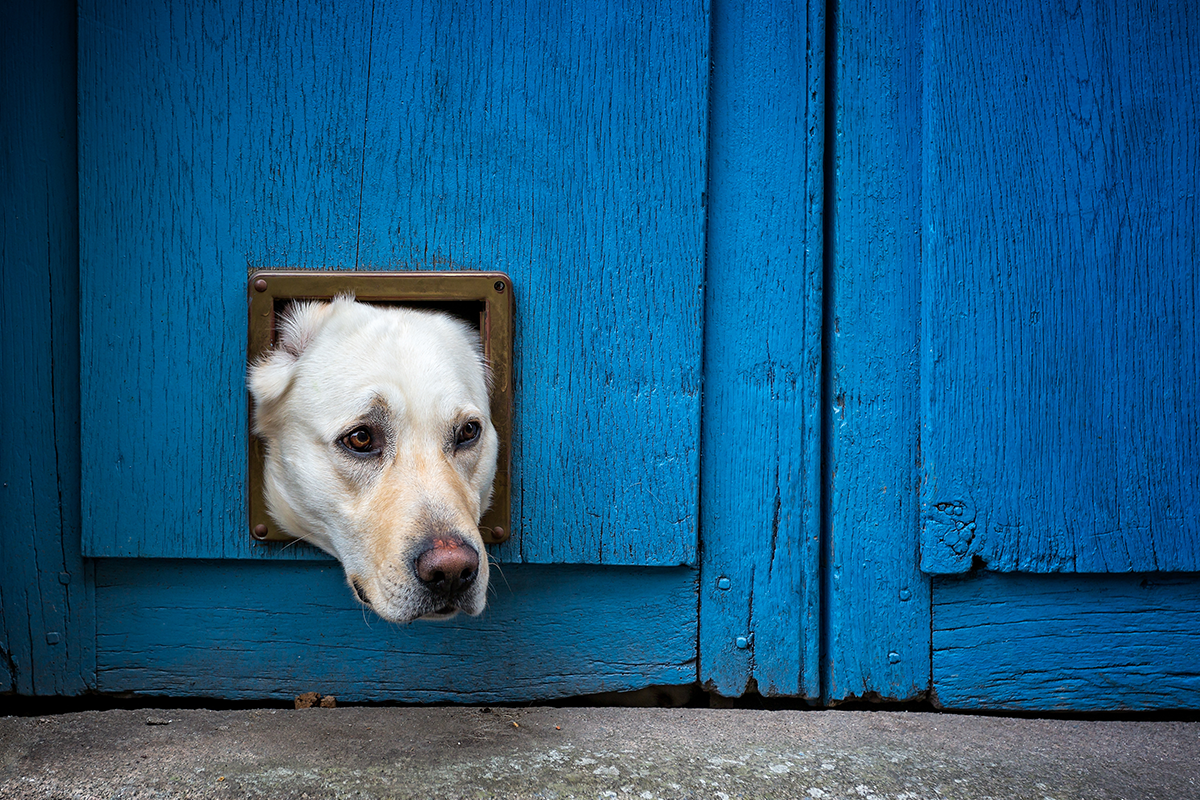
[[484, 300]]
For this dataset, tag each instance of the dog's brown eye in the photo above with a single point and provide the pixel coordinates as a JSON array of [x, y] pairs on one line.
[[359, 440], [467, 433]]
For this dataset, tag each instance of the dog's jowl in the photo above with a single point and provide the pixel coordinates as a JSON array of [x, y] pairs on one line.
[[380, 450]]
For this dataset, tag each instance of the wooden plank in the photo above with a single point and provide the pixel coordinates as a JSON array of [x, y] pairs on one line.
[[423, 136], [46, 613], [214, 139], [235, 630], [760, 470], [1060, 294], [877, 602], [1071, 643]]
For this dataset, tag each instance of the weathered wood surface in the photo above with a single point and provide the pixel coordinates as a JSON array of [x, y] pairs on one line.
[[221, 138], [877, 603], [1037, 236], [761, 466], [246, 629], [1067, 642], [1060, 293], [47, 628]]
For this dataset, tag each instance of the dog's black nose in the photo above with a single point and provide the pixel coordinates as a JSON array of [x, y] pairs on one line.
[[447, 566]]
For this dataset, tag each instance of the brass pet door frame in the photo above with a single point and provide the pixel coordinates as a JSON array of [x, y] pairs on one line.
[[460, 293]]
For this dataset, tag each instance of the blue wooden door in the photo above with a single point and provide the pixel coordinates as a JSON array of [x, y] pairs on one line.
[[567, 145], [563, 144], [1015, 367], [857, 357]]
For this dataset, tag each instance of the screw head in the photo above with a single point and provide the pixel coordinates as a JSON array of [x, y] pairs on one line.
[[260, 285], [742, 642], [260, 531], [498, 286], [724, 583], [893, 657], [905, 595]]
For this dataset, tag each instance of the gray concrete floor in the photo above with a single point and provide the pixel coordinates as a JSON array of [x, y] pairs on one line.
[[591, 753]]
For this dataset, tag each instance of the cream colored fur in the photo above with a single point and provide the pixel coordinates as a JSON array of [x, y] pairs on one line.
[[415, 380]]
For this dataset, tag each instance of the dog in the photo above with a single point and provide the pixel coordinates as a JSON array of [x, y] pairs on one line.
[[380, 450]]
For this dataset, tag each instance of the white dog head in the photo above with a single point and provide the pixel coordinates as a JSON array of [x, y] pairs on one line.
[[380, 450]]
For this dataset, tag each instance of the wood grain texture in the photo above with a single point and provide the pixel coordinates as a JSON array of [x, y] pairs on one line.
[[213, 139], [1060, 293], [563, 145], [47, 625], [1067, 642], [877, 602], [397, 136], [235, 629], [760, 471]]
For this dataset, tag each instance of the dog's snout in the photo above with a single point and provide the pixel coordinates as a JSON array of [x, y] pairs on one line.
[[448, 566]]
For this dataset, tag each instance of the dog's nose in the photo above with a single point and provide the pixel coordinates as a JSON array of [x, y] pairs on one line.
[[447, 566]]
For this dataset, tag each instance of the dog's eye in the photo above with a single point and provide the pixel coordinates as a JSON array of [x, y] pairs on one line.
[[359, 440], [468, 432]]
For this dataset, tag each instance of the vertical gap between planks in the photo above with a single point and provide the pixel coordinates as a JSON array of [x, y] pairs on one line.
[[362, 164], [704, 332], [829, 207]]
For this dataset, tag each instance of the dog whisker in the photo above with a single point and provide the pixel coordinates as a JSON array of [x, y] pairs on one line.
[[296, 539], [496, 566]]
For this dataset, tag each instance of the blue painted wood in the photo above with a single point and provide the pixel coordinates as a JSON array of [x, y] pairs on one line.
[[1060, 295], [572, 156], [877, 602], [236, 629], [213, 140], [1067, 642], [760, 470], [221, 138], [251, 630], [46, 614]]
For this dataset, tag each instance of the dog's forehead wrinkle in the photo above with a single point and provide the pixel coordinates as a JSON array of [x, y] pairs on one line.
[[404, 394], [373, 408]]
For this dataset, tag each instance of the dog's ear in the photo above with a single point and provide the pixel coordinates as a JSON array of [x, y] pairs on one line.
[[271, 375]]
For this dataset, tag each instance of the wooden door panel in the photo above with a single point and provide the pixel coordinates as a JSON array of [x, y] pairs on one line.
[[1059, 293], [876, 603], [1067, 642], [236, 630], [1013, 355], [562, 145], [760, 570], [47, 618]]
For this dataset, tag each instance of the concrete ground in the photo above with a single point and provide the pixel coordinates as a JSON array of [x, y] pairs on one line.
[[591, 753]]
